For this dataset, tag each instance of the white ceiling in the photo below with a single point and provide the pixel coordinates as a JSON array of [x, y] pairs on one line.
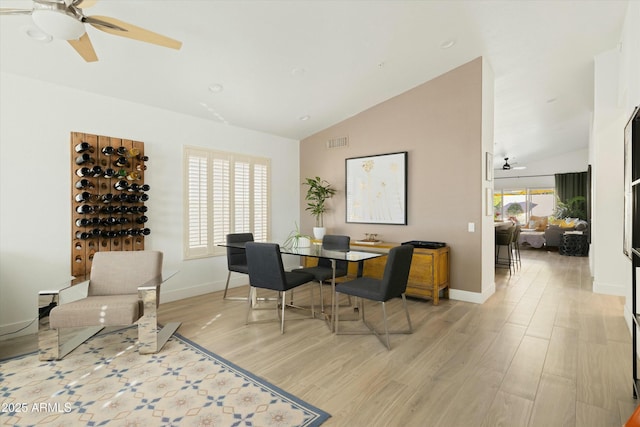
[[279, 61]]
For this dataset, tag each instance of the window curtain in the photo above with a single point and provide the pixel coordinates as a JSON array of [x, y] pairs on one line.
[[570, 185]]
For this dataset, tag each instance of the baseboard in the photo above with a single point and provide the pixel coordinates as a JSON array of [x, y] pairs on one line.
[[203, 288], [18, 329], [474, 297], [608, 289]]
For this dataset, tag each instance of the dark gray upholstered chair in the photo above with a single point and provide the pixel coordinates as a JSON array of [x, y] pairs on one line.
[[504, 237], [236, 259], [123, 289], [266, 271], [392, 285], [323, 271]]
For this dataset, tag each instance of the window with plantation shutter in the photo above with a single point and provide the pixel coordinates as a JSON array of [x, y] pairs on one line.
[[224, 193]]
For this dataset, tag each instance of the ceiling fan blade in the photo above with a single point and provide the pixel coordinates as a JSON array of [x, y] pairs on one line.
[[84, 47], [6, 11], [106, 24], [83, 4]]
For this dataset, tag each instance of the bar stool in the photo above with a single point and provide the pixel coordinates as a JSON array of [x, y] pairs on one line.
[[505, 238]]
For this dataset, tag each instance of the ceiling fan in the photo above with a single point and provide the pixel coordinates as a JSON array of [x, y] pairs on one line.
[[64, 19], [509, 166]]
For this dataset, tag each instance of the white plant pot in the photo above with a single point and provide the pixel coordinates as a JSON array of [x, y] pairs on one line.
[[319, 232], [304, 242]]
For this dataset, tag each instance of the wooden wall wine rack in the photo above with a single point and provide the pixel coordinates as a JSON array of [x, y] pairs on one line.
[[115, 214]]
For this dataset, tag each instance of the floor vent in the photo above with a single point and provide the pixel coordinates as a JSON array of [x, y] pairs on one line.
[[343, 141]]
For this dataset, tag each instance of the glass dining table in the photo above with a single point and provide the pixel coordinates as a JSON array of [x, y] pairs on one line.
[[317, 251]]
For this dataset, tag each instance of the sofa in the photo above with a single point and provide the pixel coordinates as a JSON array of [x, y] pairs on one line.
[[556, 229]]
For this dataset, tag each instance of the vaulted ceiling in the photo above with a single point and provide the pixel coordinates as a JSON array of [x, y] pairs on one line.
[[292, 68]]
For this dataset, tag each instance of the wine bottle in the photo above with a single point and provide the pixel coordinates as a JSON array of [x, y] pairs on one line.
[[83, 235], [143, 158], [84, 183], [84, 158], [110, 173], [106, 198], [82, 147], [108, 151], [121, 151], [85, 196], [121, 162], [144, 187], [134, 187], [144, 197], [96, 171], [145, 231], [84, 171], [142, 209], [134, 152], [142, 219], [84, 209], [83, 222], [141, 167], [133, 176], [121, 185]]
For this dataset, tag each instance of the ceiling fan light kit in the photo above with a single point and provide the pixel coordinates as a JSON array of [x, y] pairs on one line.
[[59, 24]]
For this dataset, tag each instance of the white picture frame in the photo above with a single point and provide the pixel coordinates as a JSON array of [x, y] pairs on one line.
[[489, 166], [376, 189]]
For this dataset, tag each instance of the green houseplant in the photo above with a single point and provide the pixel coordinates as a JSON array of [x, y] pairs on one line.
[[318, 193], [572, 208], [297, 239]]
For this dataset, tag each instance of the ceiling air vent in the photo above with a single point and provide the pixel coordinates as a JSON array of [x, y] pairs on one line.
[[343, 141]]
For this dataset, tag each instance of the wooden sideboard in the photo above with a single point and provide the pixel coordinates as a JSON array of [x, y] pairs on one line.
[[428, 276]]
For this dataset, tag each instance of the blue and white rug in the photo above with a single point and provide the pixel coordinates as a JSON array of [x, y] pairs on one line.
[[106, 381]]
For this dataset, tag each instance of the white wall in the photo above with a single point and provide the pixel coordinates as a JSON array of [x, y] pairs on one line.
[[36, 121], [617, 92], [610, 267]]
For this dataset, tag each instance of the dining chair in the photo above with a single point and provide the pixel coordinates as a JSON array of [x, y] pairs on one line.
[[266, 271], [236, 259], [323, 271], [123, 289], [392, 285]]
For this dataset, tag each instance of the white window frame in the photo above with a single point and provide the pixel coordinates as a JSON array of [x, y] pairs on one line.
[[224, 193]]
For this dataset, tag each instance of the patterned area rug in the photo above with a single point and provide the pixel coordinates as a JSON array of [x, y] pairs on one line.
[[106, 382]]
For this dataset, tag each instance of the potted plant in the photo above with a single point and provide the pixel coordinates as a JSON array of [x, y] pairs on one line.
[[317, 194], [572, 208], [297, 240]]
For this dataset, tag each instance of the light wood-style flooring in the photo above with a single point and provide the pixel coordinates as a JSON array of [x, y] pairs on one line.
[[544, 350]]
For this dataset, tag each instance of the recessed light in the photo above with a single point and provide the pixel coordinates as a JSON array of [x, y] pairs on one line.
[[447, 44], [216, 88], [304, 118], [298, 72]]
